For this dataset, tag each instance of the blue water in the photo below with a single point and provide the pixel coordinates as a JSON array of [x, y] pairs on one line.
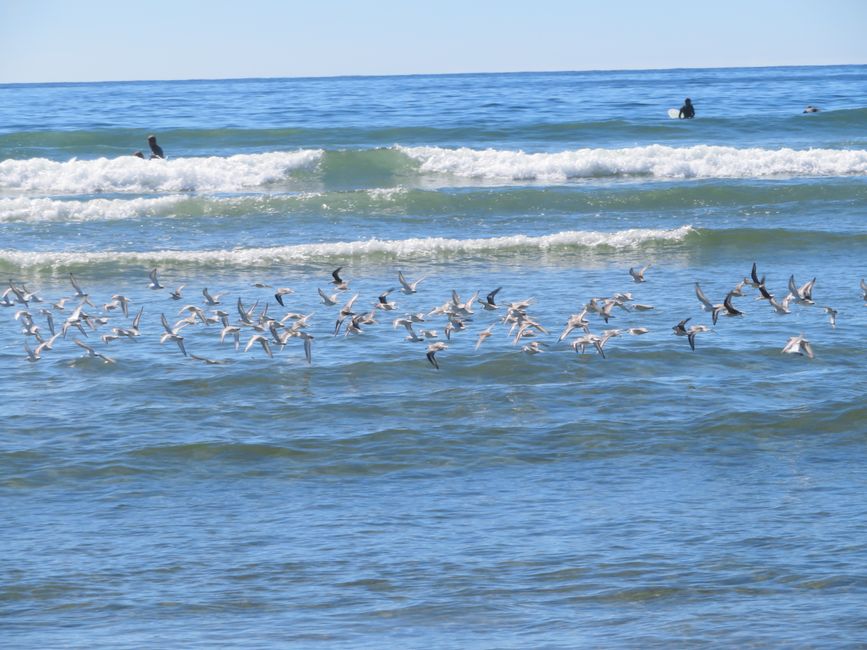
[[659, 496]]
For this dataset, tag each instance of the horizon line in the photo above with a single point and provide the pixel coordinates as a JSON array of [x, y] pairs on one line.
[[429, 74]]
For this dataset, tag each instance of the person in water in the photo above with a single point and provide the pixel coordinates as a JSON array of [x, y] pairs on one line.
[[138, 154], [811, 109], [156, 150], [687, 111]]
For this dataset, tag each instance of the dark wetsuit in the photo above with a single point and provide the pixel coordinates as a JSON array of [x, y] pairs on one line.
[[156, 150], [687, 111]]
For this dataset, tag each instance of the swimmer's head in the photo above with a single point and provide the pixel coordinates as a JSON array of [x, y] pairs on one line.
[[152, 138]]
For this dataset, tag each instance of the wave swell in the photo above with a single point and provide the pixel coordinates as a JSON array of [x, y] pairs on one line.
[[372, 248]]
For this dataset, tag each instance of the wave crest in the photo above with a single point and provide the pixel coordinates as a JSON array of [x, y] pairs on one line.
[[657, 161], [131, 174], [371, 248]]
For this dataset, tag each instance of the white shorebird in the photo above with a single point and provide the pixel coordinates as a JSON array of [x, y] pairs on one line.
[[463, 308], [60, 305], [804, 293], [575, 321], [261, 340], [764, 294], [246, 315], [93, 353], [864, 290], [706, 304], [49, 319], [136, 322], [605, 310], [154, 283], [588, 339], [177, 293], [739, 288], [726, 309], [20, 294], [345, 312], [454, 324], [337, 281], [412, 337], [781, 307], [328, 300], [234, 331], [405, 322], [638, 274], [47, 344], [172, 334], [693, 331], [533, 347], [384, 303], [488, 303], [798, 345], [79, 293], [754, 280], [5, 300], [432, 349], [280, 292], [680, 328], [832, 316], [211, 301], [308, 346], [406, 286], [31, 355], [196, 311], [123, 301], [30, 296], [484, 334]]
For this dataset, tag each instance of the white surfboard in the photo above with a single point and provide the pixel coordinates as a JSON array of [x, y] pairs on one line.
[[674, 113]]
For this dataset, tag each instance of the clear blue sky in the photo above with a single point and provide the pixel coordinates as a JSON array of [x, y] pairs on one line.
[[96, 40]]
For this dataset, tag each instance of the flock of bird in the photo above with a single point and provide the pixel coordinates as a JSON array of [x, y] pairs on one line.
[[45, 323]]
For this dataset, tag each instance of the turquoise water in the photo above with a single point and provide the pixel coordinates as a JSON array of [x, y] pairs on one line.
[[658, 496]]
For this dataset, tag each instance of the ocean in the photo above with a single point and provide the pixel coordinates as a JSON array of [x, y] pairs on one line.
[[163, 486]]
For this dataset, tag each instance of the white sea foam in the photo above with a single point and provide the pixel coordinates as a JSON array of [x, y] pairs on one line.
[[27, 208], [131, 174], [417, 247], [655, 160], [386, 193], [22, 208]]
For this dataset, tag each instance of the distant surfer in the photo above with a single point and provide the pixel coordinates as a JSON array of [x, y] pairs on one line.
[[687, 112], [156, 150], [138, 154], [811, 109]]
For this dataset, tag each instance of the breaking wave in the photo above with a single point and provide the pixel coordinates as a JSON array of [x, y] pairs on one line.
[[656, 161], [131, 174], [372, 248]]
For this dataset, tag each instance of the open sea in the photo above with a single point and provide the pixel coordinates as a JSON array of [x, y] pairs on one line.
[[521, 495]]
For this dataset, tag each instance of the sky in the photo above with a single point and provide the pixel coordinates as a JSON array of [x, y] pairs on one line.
[[113, 40]]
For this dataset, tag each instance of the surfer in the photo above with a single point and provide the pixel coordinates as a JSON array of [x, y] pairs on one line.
[[156, 150], [687, 111], [138, 154], [811, 109]]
